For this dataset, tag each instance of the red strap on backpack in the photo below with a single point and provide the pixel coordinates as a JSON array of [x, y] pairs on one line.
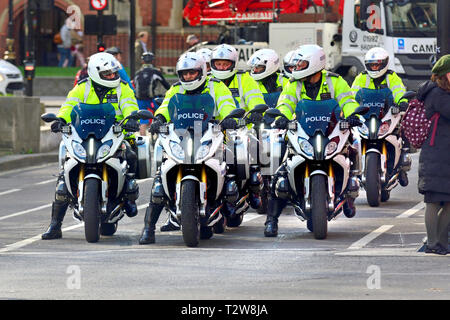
[[434, 118]]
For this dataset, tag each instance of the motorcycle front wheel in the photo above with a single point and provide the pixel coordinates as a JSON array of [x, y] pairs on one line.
[[190, 221], [319, 206], [91, 206], [373, 179]]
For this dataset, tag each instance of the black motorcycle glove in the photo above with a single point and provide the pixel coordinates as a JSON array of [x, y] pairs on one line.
[[268, 120], [281, 123], [255, 117], [157, 122], [132, 125], [57, 125], [353, 121], [403, 106], [229, 124]]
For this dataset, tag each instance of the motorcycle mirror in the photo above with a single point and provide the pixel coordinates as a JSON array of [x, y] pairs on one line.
[[260, 108], [158, 100], [145, 114], [236, 113], [409, 95], [272, 112], [49, 117], [361, 110]]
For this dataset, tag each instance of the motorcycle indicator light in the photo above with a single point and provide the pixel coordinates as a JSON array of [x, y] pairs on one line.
[[66, 130], [117, 129], [384, 128], [292, 126]]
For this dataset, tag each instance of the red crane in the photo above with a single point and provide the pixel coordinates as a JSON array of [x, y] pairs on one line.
[[210, 12]]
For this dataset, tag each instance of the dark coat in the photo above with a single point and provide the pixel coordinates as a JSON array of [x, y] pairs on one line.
[[434, 161]]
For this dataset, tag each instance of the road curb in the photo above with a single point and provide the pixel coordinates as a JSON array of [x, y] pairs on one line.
[[18, 161]]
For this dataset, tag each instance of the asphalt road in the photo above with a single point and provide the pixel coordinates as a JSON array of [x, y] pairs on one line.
[[375, 255]]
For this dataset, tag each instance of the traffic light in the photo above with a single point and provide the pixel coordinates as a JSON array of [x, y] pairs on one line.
[[101, 47]]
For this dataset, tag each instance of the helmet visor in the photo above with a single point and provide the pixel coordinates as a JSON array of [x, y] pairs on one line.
[[376, 65], [109, 74], [258, 69], [188, 75], [301, 65]]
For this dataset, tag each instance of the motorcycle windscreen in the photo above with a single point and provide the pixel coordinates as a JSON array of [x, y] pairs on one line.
[[378, 100], [271, 99], [317, 115], [187, 110], [94, 119]]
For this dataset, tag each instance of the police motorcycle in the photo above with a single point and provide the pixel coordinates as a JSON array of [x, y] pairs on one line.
[[190, 153], [245, 153], [316, 178], [381, 144], [92, 157]]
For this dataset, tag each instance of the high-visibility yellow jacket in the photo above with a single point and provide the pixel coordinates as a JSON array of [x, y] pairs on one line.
[[122, 98], [223, 100], [392, 81], [246, 91], [330, 83]]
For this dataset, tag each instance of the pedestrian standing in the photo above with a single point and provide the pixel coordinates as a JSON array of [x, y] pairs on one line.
[[140, 46], [434, 161]]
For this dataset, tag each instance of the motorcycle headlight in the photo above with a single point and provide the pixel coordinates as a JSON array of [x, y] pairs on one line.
[[177, 150], [331, 148], [363, 130], [203, 151], [79, 150], [104, 150], [384, 128], [306, 147]]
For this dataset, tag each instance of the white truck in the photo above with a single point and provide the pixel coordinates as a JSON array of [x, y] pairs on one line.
[[405, 28]]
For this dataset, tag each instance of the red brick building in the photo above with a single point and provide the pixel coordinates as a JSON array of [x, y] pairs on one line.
[[169, 42]]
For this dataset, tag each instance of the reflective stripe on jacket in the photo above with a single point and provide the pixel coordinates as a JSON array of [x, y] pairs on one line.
[[217, 89], [330, 82]]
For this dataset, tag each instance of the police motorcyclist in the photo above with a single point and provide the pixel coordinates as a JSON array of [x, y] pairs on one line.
[[146, 84], [245, 91], [287, 64], [206, 53], [191, 71], [310, 81], [264, 68], [102, 86], [378, 76]]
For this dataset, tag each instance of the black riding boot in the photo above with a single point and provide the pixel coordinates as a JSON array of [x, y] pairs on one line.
[[151, 217], [275, 207], [59, 209]]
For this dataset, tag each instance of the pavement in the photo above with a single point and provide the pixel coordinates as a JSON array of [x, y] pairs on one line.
[[17, 161]]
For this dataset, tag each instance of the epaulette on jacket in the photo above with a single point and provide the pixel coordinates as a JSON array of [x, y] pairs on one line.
[[123, 81], [332, 74], [241, 72], [82, 80], [178, 83], [214, 79]]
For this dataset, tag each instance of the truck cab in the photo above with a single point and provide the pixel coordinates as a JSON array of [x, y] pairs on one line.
[[405, 28]]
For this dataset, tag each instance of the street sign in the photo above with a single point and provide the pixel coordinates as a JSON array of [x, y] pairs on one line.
[[98, 4]]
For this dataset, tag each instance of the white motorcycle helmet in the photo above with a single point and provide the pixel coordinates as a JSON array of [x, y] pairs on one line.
[[206, 54], [265, 59], [191, 61], [376, 62], [308, 59], [224, 52], [287, 63], [103, 69]]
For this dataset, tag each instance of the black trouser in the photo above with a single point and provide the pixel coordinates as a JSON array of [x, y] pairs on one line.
[[275, 205]]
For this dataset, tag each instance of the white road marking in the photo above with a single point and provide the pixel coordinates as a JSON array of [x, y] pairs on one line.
[[25, 211], [9, 191], [23, 243], [45, 182], [368, 238], [412, 211]]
